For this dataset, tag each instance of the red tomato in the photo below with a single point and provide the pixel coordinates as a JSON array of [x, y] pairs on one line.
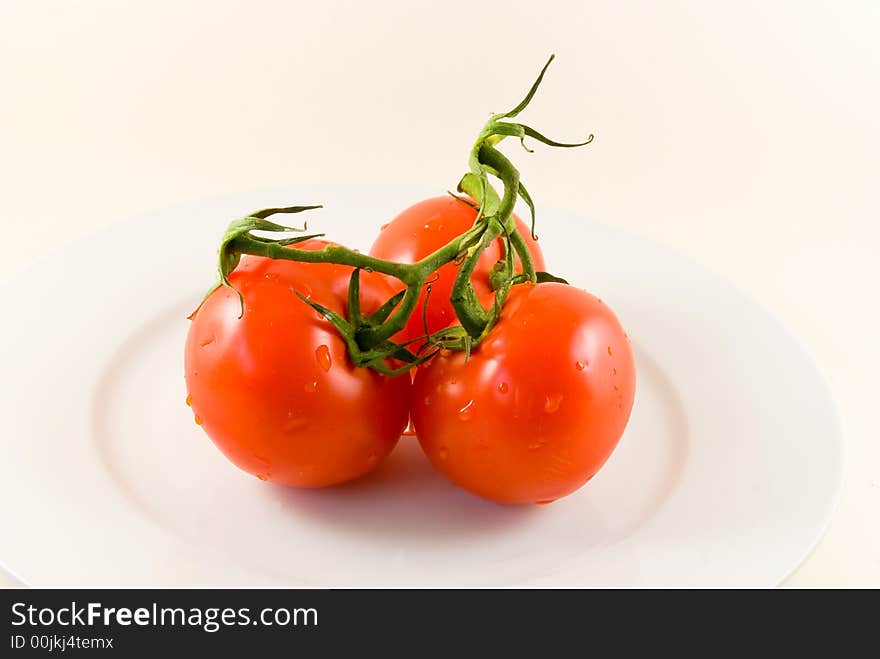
[[426, 227], [539, 406], [275, 390]]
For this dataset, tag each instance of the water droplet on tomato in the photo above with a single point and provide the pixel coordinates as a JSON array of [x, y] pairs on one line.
[[503, 387], [443, 453], [427, 400], [614, 370], [322, 354], [465, 412], [311, 386], [189, 400], [294, 424], [609, 351], [552, 402], [580, 365], [198, 420]]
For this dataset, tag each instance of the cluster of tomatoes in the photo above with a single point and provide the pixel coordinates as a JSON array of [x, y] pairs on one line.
[[528, 415]]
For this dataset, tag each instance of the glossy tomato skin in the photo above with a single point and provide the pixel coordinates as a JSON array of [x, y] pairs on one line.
[[275, 390], [538, 407], [424, 228]]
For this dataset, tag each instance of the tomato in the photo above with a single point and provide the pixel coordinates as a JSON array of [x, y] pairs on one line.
[[275, 390], [540, 404], [423, 229]]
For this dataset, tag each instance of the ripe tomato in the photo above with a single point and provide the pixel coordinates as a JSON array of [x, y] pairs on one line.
[[275, 390], [424, 228], [539, 405]]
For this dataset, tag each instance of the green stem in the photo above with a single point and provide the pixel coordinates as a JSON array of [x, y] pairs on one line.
[[464, 299], [509, 176], [450, 251], [525, 256], [245, 244]]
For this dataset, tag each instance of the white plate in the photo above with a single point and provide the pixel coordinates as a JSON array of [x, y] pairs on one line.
[[727, 473]]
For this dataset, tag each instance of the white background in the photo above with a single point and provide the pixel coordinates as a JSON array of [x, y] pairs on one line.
[[741, 134]]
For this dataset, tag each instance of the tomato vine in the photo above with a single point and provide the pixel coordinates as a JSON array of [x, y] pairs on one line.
[[369, 338]]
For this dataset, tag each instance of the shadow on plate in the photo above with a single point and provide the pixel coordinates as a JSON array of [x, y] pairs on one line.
[[404, 496]]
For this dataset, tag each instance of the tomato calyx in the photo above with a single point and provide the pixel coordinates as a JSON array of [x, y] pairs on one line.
[[354, 328], [369, 339]]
